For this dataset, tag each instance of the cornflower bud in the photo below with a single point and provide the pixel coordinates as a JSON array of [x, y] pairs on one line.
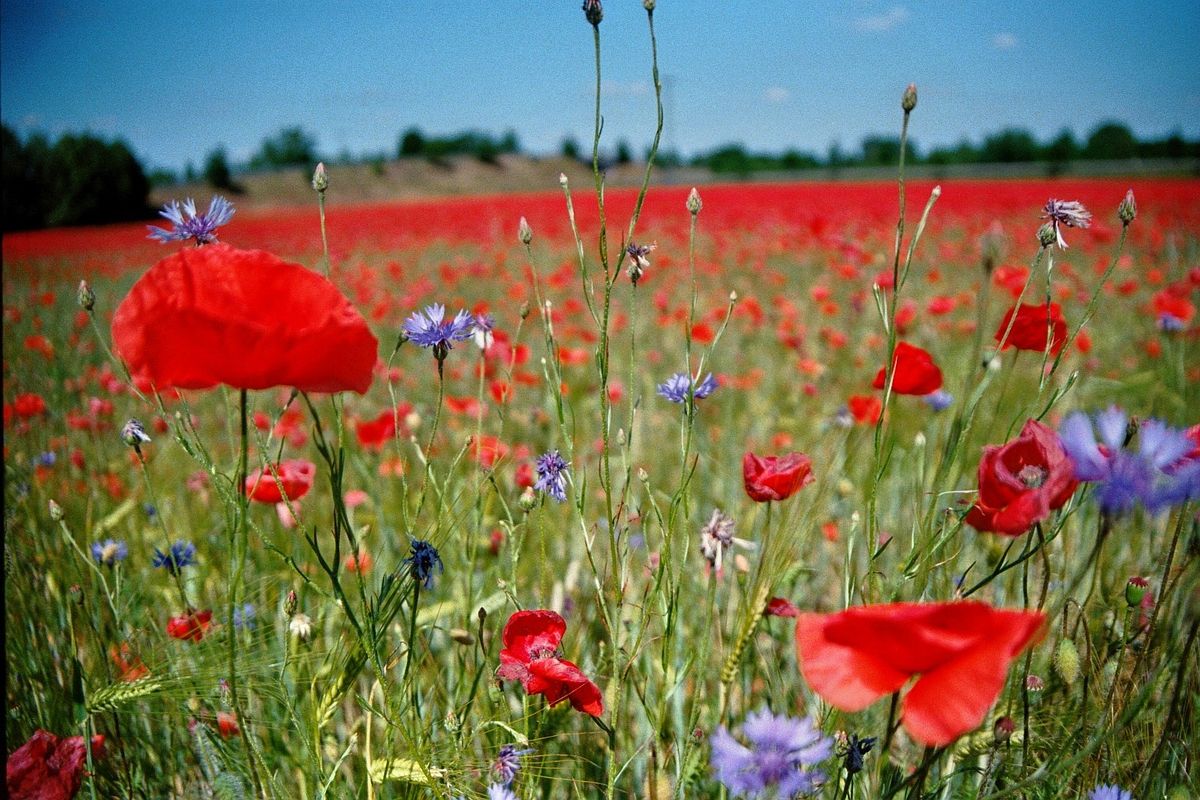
[[909, 100], [527, 500], [593, 12], [524, 232], [56, 511], [1127, 209], [1135, 589], [694, 204], [1046, 235], [648, 5], [320, 180], [85, 296], [1003, 729], [290, 603]]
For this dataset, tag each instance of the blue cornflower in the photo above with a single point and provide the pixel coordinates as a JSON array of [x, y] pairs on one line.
[[1109, 792], [109, 552], [676, 387], [150, 510], [508, 763], [1169, 323], [781, 752], [244, 617], [500, 791], [187, 224], [552, 475], [422, 562], [429, 328], [46, 459], [182, 554], [939, 400], [1157, 475]]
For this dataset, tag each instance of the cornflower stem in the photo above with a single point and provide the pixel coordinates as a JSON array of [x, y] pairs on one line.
[[427, 455], [324, 235], [1091, 306], [412, 643], [175, 574], [62, 525]]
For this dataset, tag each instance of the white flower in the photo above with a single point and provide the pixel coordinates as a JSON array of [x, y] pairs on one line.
[[300, 626]]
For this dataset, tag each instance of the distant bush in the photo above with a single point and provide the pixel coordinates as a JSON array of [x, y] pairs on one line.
[[291, 147], [438, 149], [217, 173], [79, 180]]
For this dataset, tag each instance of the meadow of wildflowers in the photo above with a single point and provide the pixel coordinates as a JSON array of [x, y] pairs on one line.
[[754, 491]]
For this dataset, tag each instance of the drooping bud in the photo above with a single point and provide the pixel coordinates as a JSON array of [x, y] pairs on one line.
[[56, 511], [1136, 588], [909, 100], [85, 296], [524, 232], [462, 636], [1127, 209], [1066, 662], [320, 180], [694, 204], [1046, 235]]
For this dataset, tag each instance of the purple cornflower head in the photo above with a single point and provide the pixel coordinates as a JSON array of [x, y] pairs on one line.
[[676, 387], [1156, 475], [508, 763], [638, 260], [133, 433], [781, 752], [552, 475], [500, 791], [1109, 792], [1169, 323], [244, 617], [1070, 213], [180, 555], [717, 536], [109, 552], [187, 224], [46, 459], [939, 400], [483, 324], [429, 328], [422, 561]]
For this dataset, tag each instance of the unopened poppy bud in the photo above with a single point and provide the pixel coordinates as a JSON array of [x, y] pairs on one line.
[[1003, 729], [1034, 684], [524, 312], [909, 100], [527, 500], [1127, 209], [87, 298], [56, 512], [694, 204], [524, 232], [320, 180], [1066, 662], [1046, 235], [1135, 589], [290, 603], [462, 636]]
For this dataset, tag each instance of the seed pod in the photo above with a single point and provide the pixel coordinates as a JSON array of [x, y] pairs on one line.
[[1066, 662]]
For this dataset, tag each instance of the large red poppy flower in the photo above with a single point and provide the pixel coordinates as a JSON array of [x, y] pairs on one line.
[[1032, 327], [914, 372], [1021, 482], [775, 477], [373, 434], [530, 655], [49, 768], [190, 626], [960, 653], [244, 318], [296, 475]]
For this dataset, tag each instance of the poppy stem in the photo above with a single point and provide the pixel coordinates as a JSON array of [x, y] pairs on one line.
[[892, 725]]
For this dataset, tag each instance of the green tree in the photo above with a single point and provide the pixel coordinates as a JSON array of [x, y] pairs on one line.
[[570, 148], [412, 143], [216, 171], [289, 148], [624, 152], [1111, 140], [1010, 146], [90, 181]]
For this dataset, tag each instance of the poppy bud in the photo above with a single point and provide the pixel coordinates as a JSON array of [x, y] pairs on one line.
[[1003, 729], [527, 500], [1034, 684], [320, 180], [87, 298], [1135, 589], [524, 232], [56, 512], [1046, 235], [909, 100], [1127, 209], [694, 203], [290, 603], [1066, 662]]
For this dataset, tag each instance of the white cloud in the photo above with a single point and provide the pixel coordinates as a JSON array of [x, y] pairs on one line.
[[776, 95], [882, 22], [1004, 41]]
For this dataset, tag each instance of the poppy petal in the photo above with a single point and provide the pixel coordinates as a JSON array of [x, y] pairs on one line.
[[530, 631], [843, 675]]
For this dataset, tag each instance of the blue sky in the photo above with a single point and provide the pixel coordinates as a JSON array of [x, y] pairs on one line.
[[175, 79]]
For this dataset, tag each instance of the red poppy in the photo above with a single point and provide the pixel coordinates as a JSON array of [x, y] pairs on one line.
[[192, 625], [1171, 303], [227, 725], [865, 408], [913, 372], [1022, 481], [244, 318], [29, 405], [49, 768], [296, 475], [531, 640], [375, 433], [961, 652], [1031, 326], [487, 450], [775, 477], [129, 665]]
